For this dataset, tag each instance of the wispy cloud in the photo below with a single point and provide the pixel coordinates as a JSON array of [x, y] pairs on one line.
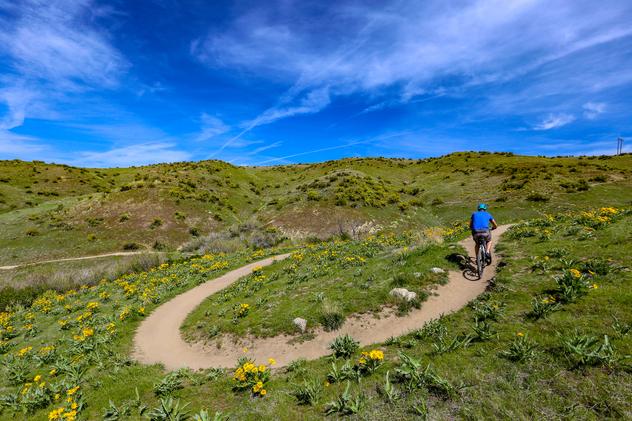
[[211, 127], [593, 109], [52, 52], [138, 154], [17, 146], [416, 46], [554, 121]]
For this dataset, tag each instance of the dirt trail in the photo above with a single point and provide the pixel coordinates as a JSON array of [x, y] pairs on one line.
[[158, 339], [70, 259]]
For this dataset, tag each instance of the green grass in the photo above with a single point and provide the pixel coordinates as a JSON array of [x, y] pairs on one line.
[[340, 277], [549, 385], [486, 384], [79, 210]]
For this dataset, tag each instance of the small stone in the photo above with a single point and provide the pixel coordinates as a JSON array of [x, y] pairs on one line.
[[417, 274], [403, 293], [437, 270], [301, 324]]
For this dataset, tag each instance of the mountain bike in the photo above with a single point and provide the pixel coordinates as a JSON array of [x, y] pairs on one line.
[[480, 256]]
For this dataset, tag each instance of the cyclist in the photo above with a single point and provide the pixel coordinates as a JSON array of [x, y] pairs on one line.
[[480, 227]]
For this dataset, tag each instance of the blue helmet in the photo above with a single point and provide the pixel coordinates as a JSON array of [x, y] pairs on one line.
[[482, 206]]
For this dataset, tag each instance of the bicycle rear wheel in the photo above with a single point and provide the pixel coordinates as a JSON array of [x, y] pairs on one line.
[[480, 259]]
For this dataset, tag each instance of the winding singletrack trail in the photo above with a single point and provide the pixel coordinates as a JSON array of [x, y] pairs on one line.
[[71, 259], [158, 339]]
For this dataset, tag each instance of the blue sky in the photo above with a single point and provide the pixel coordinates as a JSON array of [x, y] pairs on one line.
[[121, 83]]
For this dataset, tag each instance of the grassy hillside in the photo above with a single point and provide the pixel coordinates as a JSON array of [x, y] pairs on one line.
[[550, 339], [54, 211]]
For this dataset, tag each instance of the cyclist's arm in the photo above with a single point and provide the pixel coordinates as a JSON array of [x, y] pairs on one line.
[[494, 224], [471, 222]]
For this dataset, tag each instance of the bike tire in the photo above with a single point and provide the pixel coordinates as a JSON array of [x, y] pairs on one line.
[[480, 259]]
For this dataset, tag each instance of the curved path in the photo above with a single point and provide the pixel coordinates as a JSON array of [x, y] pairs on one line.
[[71, 259], [158, 339]]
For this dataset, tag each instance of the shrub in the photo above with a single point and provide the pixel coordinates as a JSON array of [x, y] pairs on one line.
[[388, 391], [542, 307], [19, 296], [32, 232], [583, 350], [169, 411], [194, 231], [344, 346], [483, 331], [155, 223], [537, 197], [484, 310], [124, 217], [168, 384], [131, 246], [345, 404], [308, 393], [520, 349], [331, 316]]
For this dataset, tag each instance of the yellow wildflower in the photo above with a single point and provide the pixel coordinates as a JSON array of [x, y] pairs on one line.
[[72, 391], [56, 414], [22, 352]]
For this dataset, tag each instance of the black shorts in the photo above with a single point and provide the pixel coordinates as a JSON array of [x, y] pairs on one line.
[[486, 234]]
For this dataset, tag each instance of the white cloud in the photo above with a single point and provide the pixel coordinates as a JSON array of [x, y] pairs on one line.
[[138, 154], [51, 52], [211, 127], [415, 46], [311, 102], [594, 109], [14, 145], [553, 121]]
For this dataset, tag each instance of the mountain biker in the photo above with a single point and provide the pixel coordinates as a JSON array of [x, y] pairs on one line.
[[480, 227]]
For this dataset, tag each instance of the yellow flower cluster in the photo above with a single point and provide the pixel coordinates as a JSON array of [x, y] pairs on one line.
[[24, 351], [45, 350], [370, 360], [243, 310], [92, 305], [124, 314], [375, 355], [548, 300], [575, 273], [86, 332], [251, 377], [42, 304], [258, 254]]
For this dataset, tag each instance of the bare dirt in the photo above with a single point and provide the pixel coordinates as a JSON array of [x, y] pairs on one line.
[[158, 339], [70, 259]]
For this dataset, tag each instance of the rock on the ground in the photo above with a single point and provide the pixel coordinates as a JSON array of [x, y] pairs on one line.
[[403, 294], [301, 324], [437, 270]]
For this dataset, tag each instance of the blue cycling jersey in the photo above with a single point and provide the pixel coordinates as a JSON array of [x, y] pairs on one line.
[[481, 220]]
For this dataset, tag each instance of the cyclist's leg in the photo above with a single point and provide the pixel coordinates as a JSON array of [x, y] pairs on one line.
[[475, 238], [489, 247]]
